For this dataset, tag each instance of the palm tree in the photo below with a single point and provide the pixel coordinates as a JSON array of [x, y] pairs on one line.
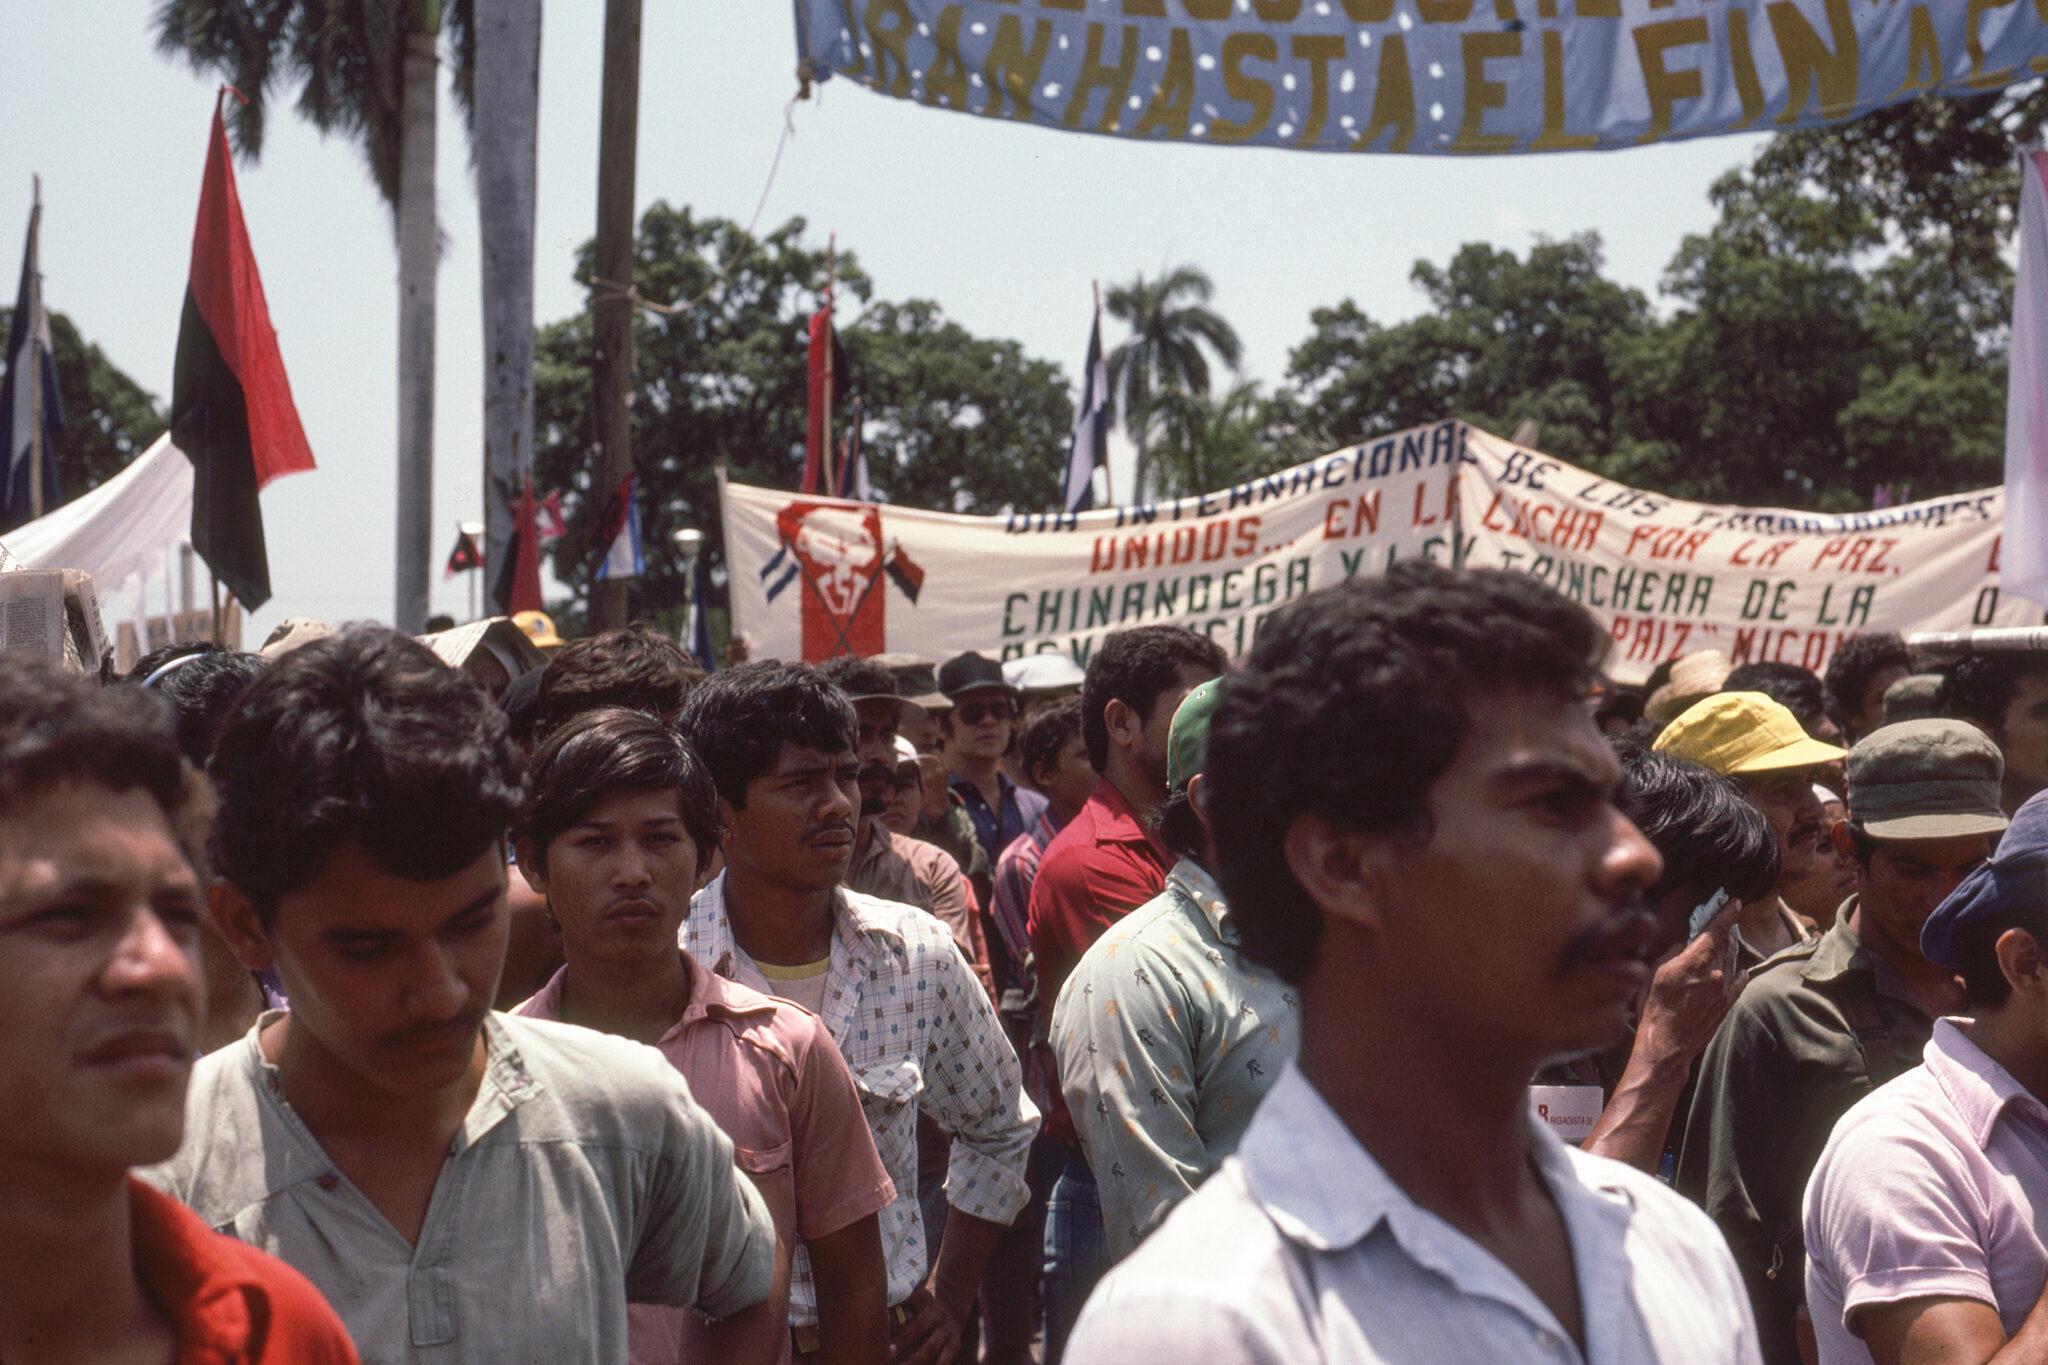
[[1203, 443], [365, 69], [1170, 323], [497, 86]]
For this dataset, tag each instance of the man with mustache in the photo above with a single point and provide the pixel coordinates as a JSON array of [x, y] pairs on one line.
[[1414, 823], [1760, 743], [895, 866], [462, 1185], [893, 988], [101, 1001], [1823, 1024]]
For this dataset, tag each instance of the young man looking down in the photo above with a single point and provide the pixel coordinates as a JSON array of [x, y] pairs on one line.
[[617, 834], [463, 1186]]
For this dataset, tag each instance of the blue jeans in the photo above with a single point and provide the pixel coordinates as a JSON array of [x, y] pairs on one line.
[[1076, 1252]]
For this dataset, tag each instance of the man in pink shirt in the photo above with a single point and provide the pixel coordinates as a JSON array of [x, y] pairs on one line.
[[1924, 1217], [615, 833]]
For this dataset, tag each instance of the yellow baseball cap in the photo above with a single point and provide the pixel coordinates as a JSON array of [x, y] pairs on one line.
[[1737, 733]]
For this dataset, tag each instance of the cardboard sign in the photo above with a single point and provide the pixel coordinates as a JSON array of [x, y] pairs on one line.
[[1570, 1110]]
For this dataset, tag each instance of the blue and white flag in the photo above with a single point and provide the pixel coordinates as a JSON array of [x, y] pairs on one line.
[[1088, 443], [621, 528], [30, 411]]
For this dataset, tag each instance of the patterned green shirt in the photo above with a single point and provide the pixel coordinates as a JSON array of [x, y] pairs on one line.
[[1167, 1041]]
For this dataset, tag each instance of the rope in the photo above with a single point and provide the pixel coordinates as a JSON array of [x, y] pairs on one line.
[[613, 290]]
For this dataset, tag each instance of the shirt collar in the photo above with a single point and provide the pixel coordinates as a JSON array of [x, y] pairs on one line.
[[1978, 1087], [1116, 822], [853, 926], [1192, 883], [711, 996], [1324, 1190], [1839, 950], [179, 1260]]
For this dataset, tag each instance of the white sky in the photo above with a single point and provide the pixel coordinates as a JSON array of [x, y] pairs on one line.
[[1005, 226]]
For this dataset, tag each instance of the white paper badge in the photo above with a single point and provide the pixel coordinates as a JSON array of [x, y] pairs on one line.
[[1570, 1110]]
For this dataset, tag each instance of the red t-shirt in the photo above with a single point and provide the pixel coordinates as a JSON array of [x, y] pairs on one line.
[[231, 1304], [1101, 866]]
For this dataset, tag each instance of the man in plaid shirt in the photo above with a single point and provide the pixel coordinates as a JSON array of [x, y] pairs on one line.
[[892, 987]]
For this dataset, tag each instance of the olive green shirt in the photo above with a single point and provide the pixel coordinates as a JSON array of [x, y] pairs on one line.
[[1783, 1067]]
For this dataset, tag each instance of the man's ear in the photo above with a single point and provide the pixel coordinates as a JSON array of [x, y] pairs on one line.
[[532, 866], [1339, 868], [2019, 958], [1126, 727], [236, 918], [726, 820]]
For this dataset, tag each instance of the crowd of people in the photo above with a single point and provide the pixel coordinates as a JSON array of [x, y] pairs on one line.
[[1406, 990]]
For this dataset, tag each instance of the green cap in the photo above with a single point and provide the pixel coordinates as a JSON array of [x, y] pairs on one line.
[[1926, 779], [1190, 733]]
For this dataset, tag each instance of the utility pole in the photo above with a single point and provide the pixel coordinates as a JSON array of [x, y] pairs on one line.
[[34, 378], [613, 309]]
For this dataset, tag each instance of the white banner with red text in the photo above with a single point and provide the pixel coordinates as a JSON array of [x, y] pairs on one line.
[[812, 577]]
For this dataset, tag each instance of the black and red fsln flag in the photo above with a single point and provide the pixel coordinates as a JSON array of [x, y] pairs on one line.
[[231, 405]]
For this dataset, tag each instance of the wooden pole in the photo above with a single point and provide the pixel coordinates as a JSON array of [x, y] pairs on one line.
[[34, 378], [612, 311], [831, 339], [217, 612]]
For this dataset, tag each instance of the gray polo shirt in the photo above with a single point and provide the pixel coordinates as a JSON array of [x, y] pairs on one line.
[[584, 1176]]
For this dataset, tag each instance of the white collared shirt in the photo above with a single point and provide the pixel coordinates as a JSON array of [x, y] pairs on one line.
[[919, 1034], [1300, 1248]]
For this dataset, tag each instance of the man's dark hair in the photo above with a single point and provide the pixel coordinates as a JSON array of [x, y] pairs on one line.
[[363, 736], [858, 677], [200, 689], [632, 667], [1796, 689], [1861, 658], [1045, 732], [1978, 687], [741, 717], [1709, 835], [1134, 667], [1352, 703], [57, 728], [521, 704], [607, 750]]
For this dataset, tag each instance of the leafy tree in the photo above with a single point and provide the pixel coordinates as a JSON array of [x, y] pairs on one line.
[[1206, 443], [952, 421], [1507, 340], [109, 419], [1171, 324]]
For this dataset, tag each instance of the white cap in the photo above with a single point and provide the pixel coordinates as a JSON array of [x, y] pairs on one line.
[[1043, 672]]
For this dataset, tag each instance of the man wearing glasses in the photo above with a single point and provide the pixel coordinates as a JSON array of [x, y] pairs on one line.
[[978, 732]]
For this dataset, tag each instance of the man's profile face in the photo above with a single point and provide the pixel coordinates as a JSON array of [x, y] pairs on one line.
[[390, 978], [1522, 917], [906, 796], [2023, 734], [100, 987], [1870, 706], [1787, 802], [1157, 726], [1068, 782], [796, 829], [1907, 878]]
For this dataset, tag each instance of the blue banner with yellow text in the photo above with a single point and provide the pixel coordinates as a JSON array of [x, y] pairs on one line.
[[1459, 76]]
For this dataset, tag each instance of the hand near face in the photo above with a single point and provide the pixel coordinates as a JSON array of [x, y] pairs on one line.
[[1693, 989]]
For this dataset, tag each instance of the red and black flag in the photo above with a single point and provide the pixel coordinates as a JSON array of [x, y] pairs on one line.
[[466, 555], [231, 405], [518, 583]]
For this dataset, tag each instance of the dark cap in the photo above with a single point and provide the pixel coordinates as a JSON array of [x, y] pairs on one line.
[[972, 672], [1925, 779], [2015, 878], [915, 681]]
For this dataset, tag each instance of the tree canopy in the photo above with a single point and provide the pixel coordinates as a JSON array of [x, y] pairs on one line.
[[952, 421], [109, 419]]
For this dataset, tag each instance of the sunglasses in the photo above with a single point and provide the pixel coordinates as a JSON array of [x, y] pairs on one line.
[[975, 712]]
